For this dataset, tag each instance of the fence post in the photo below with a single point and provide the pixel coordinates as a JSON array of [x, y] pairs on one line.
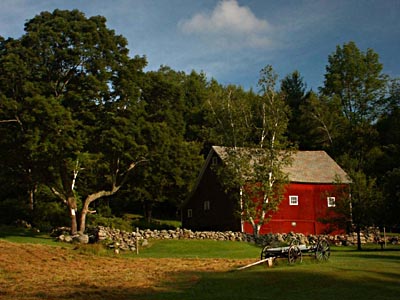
[[137, 240]]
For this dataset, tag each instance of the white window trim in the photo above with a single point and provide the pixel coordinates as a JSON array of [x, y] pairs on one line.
[[331, 201], [206, 205], [293, 200], [189, 213]]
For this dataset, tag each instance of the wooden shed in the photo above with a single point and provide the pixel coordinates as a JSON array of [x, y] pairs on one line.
[[310, 197]]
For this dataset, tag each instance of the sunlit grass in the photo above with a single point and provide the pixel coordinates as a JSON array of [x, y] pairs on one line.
[[199, 249]]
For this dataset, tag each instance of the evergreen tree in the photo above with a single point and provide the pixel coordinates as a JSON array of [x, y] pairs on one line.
[[294, 89]]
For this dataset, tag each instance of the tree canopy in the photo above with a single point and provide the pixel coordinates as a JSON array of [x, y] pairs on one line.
[[82, 121]]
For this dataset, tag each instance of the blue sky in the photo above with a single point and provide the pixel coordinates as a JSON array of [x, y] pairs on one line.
[[232, 40]]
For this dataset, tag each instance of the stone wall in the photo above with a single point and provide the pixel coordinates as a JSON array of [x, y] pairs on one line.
[[127, 241]]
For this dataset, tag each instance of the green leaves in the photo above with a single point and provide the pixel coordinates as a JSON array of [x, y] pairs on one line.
[[356, 78]]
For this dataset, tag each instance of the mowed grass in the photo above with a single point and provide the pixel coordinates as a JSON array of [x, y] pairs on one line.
[[187, 269], [349, 274], [199, 249]]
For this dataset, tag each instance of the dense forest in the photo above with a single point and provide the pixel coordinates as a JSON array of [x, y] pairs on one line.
[[88, 135]]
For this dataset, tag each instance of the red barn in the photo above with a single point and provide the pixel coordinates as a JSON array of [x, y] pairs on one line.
[[309, 197]]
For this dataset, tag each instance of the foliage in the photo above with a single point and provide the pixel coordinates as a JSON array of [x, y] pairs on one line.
[[172, 162], [294, 90], [112, 222], [90, 116], [391, 195], [81, 118], [355, 77], [355, 80], [323, 122]]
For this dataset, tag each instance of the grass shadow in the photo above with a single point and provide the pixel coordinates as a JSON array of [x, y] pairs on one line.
[[25, 235], [284, 283]]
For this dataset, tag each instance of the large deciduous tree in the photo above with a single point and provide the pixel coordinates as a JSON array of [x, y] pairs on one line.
[[354, 79], [72, 89]]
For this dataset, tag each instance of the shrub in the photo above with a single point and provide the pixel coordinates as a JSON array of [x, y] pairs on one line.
[[112, 222]]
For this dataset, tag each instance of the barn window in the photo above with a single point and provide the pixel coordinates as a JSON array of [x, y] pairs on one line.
[[294, 200], [214, 161], [206, 205], [189, 213], [331, 201]]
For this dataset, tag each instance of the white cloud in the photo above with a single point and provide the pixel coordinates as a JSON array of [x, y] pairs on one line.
[[230, 24]]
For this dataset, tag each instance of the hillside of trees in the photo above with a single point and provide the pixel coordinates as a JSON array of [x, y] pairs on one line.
[[85, 131]]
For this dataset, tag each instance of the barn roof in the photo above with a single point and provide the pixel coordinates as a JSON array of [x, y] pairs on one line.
[[307, 167]]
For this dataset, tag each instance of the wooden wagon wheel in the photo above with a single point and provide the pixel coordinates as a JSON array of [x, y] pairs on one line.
[[294, 255], [323, 250], [264, 252]]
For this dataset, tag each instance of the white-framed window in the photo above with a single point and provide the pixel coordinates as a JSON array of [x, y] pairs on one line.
[[214, 161], [206, 205], [331, 201], [293, 200], [189, 213]]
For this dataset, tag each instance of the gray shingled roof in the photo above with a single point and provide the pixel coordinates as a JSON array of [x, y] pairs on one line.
[[308, 167]]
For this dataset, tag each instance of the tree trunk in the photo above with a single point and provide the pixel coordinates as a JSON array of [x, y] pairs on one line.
[[74, 224], [89, 199], [31, 199], [358, 230], [84, 212], [71, 202], [97, 195], [148, 212], [256, 230], [82, 223]]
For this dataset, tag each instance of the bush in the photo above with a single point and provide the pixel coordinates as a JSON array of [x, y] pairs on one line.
[[49, 215], [112, 222], [153, 225]]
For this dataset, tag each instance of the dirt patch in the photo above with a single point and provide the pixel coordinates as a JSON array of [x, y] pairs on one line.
[[41, 272]]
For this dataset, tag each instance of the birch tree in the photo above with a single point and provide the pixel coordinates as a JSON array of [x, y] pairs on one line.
[[253, 129]]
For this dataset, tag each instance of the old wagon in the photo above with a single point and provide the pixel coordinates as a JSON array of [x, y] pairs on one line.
[[319, 249], [295, 251]]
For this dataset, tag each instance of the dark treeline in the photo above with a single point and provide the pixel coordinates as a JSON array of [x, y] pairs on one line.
[[84, 128]]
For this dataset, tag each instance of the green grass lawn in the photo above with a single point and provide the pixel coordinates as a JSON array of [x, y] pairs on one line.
[[349, 274]]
